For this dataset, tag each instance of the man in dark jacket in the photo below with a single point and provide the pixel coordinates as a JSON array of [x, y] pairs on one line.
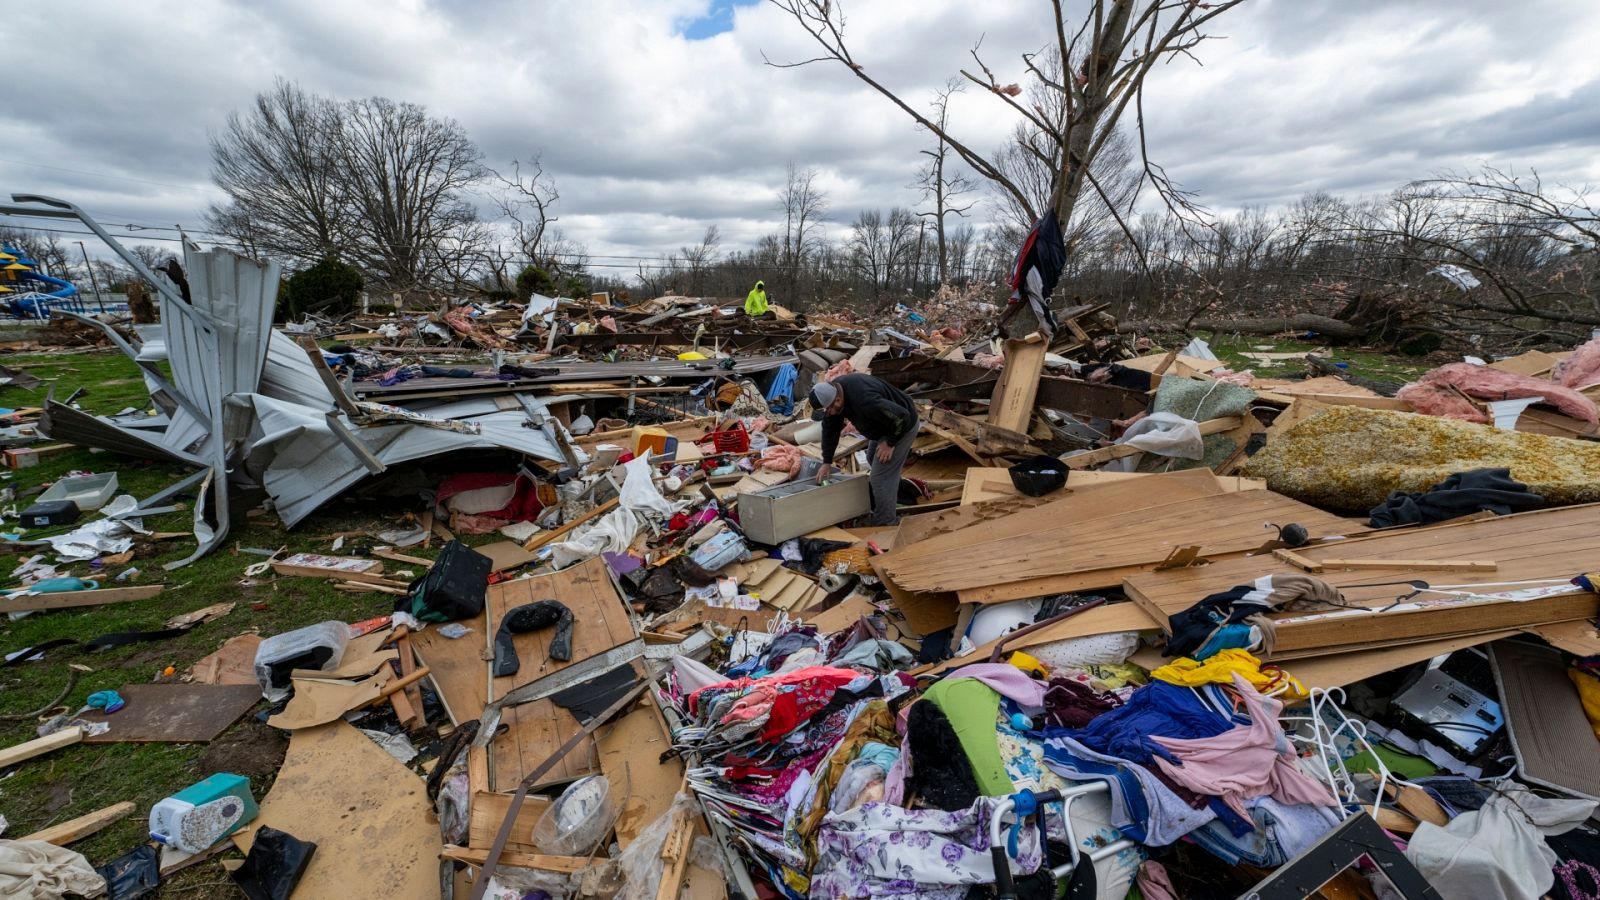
[[885, 416]]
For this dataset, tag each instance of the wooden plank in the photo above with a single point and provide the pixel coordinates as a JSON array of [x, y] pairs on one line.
[[534, 730], [407, 703], [1298, 561], [474, 856], [1339, 669], [74, 599], [987, 439], [1077, 544], [1119, 451], [545, 537], [1011, 404], [1416, 565], [1577, 637], [487, 811], [71, 830], [367, 813], [27, 750]]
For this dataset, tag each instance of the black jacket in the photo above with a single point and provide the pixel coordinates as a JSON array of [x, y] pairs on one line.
[[878, 409]]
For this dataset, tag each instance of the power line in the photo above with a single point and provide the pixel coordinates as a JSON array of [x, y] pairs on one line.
[[17, 162]]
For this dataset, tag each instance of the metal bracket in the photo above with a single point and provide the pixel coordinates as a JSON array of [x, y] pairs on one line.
[[553, 683]]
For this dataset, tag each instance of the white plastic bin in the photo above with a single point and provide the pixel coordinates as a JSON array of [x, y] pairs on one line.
[[87, 491]]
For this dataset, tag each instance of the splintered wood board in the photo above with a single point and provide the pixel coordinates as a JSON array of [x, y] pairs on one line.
[[1079, 543], [1545, 544], [367, 813], [1339, 669], [535, 730], [1011, 405], [175, 713]]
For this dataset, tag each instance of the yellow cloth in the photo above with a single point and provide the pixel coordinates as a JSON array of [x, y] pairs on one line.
[[1589, 692], [1220, 668], [756, 302]]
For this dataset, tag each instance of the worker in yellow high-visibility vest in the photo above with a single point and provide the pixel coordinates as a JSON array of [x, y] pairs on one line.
[[755, 304]]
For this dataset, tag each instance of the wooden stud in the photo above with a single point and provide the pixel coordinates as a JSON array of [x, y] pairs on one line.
[[27, 750], [1469, 565], [545, 537], [70, 599], [1298, 561], [71, 830]]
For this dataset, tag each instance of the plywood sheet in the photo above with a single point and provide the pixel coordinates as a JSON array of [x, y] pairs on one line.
[[1339, 669], [456, 668], [535, 730], [1577, 637], [175, 713], [367, 813], [1548, 545], [630, 751], [318, 702], [1133, 535]]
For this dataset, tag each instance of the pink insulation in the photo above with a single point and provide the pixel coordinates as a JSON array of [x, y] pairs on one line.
[[1581, 369], [1431, 394]]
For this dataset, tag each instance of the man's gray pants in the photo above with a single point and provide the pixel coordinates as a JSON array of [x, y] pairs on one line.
[[885, 478]]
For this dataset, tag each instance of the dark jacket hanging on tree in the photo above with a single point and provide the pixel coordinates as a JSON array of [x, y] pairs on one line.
[[1043, 251]]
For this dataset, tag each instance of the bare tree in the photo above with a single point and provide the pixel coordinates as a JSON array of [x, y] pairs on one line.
[[699, 258], [804, 207], [941, 179], [528, 200], [405, 174], [1118, 43], [279, 164]]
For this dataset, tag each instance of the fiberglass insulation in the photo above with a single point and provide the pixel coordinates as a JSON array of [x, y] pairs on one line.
[[1350, 458]]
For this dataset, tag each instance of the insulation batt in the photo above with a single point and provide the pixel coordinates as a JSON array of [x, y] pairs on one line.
[[1431, 394], [1581, 369]]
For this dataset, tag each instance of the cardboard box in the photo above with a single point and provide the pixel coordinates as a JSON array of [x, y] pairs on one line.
[[776, 514]]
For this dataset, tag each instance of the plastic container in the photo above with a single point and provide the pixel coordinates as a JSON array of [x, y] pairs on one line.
[[46, 514], [579, 818], [89, 492], [734, 440], [320, 646], [198, 816], [1038, 475]]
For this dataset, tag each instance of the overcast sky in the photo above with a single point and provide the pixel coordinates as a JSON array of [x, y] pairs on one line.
[[658, 117]]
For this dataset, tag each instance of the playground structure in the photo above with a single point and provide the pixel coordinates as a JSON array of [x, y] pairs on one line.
[[27, 293]]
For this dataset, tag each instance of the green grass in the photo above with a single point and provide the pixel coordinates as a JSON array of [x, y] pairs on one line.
[[84, 778], [1230, 348]]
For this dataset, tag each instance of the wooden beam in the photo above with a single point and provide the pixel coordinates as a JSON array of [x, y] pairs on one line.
[[1298, 561], [71, 830], [1011, 404], [70, 599], [473, 856], [27, 750], [991, 440], [545, 537]]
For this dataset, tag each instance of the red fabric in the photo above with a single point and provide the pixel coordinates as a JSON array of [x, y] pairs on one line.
[[1431, 393], [524, 507]]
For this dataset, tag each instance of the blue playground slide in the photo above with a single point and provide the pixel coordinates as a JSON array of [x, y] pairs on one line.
[[22, 276]]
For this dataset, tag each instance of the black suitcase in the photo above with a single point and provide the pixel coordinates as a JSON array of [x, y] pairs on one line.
[[454, 588]]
